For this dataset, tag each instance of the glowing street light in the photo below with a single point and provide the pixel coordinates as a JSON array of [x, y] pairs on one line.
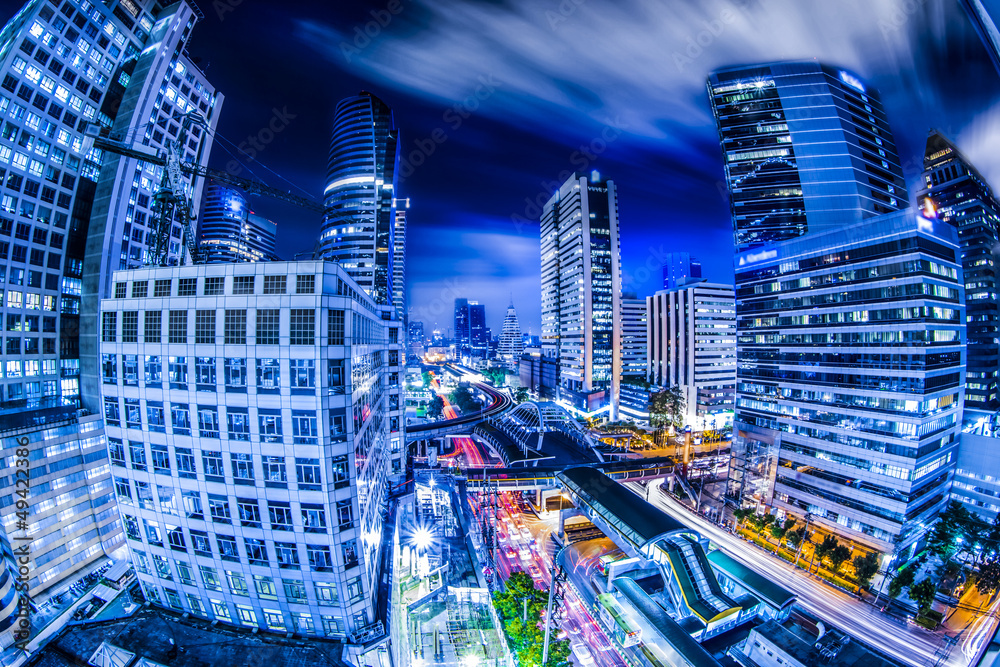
[[422, 538]]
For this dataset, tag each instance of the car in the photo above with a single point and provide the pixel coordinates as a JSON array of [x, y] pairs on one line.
[[525, 554], [583, 655], [534, 571], [510, 554]]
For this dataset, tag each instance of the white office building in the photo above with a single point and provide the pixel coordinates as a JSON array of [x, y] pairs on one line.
[[253, 412]]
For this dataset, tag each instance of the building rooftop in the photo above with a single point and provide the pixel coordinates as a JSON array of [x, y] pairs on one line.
[[148, 633], [762, 587], [852, 654], [639, 521]]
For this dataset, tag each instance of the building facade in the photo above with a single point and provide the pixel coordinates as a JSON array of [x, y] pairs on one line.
[[956, 193], [581, 290], [680, 268], [462, 336], [479, 335], [851, 377], [253, 419], [692, 345], [633, 338], [229, 230], [807, 148], [511, 342], [359, 225]]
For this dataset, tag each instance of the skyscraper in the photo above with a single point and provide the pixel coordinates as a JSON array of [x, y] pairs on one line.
[[807, 148], [124, 68], [251, 443], [680, 268], [633, 339], [229, 230], [359, 225], [401, 207], [956, 193], [581, 291], [511, 344], [479, 335], [461, 337]]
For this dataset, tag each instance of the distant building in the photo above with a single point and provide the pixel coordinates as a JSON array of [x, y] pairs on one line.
[[479, 340], [229, 231], [539, 374], [581, 291], [462, 339], [692, 345], [680, 268], [633, 338], [359, 224], [977, 473], [511, 344], [416, 340], [955, 192], [401, 206], [253, 428]]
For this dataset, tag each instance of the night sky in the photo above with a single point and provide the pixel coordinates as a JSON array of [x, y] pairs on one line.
[[496, 99]]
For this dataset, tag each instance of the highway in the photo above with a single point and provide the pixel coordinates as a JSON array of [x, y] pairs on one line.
[[499, 403], [907, 642]]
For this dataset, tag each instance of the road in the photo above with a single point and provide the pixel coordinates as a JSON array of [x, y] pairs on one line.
[[908, 643]]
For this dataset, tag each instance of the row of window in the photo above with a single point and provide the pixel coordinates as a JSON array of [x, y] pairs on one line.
[[214, 286]]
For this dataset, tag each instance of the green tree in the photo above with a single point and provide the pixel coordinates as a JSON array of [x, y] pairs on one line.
[[793, 537], [826, 547], [464, 399], [923, 594], [989, 577], [956, 529], [436, 407], [902, 580], [521, 394], [666, 408], [865, 567], [498, 376], [838, 555], [426, 377]]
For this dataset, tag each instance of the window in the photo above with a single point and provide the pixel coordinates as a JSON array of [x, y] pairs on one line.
[[211, 462], [341, 472], [268, 326], [238, 424], [177, 371], [185, 465], [109, 364], [304, 428], [116, 451], [154, 370], [305, 284], [313, 518], [153, 325], [302, 375], [177, 326], [345, 514], [123, 490], [201, 546], [335, 375], [204, 326], [130, 368], [144, 494], [326, 593], [268, 375], [139, 289], [121, 289], [208, 421], [302, 326], [109, 323], [319, 558], [218, 509], [349, 550], [236, 374], [274, 471], [161, 458], [236, 327], [204, 370], [242, 468], [280, 514], [295, 590], [161, 288], [187, 287], [243, 284], [132, 528], [137, 452], [249, 512], [266, 590], [269, 425], [180, 419], [256, 552], [130, 326], [155, 419], [237, 582], [215, 286], [287, 554], [275, 284], [336, 326]]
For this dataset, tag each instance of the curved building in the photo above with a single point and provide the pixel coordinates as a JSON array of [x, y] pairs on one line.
[[511, 339], [358, 223], [230, 231]]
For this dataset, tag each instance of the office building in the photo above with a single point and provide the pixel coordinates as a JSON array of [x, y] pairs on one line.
[[402, 207], [692, 345], [538, 373], [680, 268], [581, 291], [461, 338], [359, 224], [956, 193], [479, 335], [633, 338], [851, 377], [977, 472], [62, 70], [807, 148], [253, 413], [511, 345], [229, 230]]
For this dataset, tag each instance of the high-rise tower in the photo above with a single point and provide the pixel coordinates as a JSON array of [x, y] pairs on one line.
[[511, 342], [359, 224], [479, 338], [462, 340], [229, 230], [401, 207], [807, 148], [581, 290], [955, 192]]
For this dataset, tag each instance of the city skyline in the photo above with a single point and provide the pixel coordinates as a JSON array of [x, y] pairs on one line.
[[462, 242]]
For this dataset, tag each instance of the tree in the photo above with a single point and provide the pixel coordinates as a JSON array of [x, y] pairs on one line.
[[666, 408], [495, 375], [464, 399], [903, 580], [838, 555], [865, 567], [521, 394], [426, 377], [793, 537], [923, 594], [826, 547], [436, 407], [957, 529], [989, 577]]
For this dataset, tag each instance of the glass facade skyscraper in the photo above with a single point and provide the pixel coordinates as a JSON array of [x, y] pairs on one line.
[[461, 334], [957, 194], [229, 231], [359, 224], [680, 268], [807, 147], [479, 338]]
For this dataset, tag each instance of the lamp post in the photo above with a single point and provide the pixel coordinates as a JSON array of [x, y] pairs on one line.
[[805, 536]]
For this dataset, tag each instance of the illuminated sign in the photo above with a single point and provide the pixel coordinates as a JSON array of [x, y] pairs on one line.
[[754, 257], [852, 81]]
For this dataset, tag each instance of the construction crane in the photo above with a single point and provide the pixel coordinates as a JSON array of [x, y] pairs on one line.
[[170, 203]]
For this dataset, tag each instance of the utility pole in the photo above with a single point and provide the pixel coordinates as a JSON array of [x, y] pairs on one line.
[[556, 579], [805, 536]]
